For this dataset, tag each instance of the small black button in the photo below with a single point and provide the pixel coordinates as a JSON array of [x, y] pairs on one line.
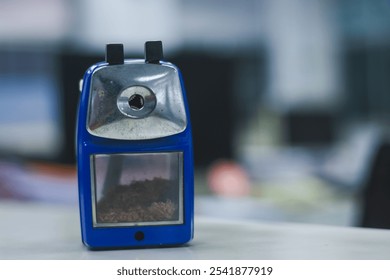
[[139, 236]]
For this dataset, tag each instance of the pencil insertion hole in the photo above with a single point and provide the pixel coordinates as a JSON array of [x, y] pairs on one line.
[[136, 102]]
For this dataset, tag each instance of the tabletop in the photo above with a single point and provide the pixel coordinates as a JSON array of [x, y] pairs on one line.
[[51, 231]]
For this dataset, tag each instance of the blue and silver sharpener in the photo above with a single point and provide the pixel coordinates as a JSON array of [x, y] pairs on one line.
[[134, 153]]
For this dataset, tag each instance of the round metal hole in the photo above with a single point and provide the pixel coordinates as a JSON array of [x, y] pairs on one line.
[[136, 102]]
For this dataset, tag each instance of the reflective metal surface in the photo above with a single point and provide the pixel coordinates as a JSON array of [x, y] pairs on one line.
[[110, 114]]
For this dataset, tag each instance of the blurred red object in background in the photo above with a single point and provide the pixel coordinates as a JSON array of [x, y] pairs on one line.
[[228, 178]]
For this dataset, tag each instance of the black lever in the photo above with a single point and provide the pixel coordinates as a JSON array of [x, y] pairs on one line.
[[114, 54], [153, 52]]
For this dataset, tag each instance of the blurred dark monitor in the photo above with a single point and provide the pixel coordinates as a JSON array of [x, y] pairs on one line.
[[31, 114], [311, 128], [367, 84], [39, 95]]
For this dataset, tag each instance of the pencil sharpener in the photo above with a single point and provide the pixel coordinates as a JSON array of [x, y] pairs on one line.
[[134, 153]]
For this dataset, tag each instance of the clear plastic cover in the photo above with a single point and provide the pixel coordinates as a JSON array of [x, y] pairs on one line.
[[137, 189]]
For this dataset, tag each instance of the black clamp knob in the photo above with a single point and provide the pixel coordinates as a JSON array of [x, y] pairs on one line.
[[153, 52], [114, 54]]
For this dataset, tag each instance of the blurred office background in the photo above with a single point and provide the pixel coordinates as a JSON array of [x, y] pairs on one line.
[[289, 100]]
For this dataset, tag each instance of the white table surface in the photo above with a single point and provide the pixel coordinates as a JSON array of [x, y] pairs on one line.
[[49, 231]]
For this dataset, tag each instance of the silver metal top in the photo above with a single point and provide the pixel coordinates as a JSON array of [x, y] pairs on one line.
[[136, 101]]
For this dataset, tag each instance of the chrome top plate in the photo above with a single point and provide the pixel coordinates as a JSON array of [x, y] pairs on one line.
[[108, 118]]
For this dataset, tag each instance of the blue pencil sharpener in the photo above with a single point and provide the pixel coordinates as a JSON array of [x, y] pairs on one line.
[[134, 153]]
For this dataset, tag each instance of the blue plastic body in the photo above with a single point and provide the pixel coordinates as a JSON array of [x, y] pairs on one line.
[[124, 237]]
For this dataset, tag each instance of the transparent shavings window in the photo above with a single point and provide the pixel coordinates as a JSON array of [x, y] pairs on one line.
[[137, 189]]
